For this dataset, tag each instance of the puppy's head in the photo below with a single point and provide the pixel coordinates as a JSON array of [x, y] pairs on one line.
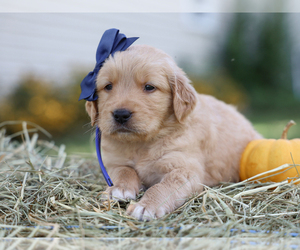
[[140, 92]]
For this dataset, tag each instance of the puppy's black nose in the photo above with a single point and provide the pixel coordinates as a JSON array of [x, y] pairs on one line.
[[121, 115]]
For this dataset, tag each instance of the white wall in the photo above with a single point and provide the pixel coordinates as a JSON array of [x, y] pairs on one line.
[[50, 45]]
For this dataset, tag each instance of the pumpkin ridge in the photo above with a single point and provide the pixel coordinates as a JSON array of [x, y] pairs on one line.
[[245, 158], [295, 152], [265, 147], [277, 159], [255, 165]]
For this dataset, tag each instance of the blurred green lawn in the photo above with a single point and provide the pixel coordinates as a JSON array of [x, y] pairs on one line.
[[269, 124], [273, 129]]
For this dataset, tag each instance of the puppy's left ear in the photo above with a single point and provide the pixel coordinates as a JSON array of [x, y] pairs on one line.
[[184, 95], [92, 110]]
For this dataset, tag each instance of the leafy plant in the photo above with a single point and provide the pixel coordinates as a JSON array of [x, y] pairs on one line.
[[56, 108]]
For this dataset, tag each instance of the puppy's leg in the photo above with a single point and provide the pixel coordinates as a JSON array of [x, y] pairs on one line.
[[166, 196], [126, 183]]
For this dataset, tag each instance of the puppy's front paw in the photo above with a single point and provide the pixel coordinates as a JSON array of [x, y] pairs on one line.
[[119, 193], [145, 212]]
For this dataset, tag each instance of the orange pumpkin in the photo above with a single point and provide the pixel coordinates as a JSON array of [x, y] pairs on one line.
[[266, 154]]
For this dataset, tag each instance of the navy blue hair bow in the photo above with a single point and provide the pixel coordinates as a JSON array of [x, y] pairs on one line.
[[111, 42]]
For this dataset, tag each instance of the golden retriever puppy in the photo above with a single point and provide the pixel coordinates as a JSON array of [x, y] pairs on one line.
[[158, 133]]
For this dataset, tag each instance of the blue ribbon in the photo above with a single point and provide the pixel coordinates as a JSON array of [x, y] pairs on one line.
[[98, 150], [111, 42]]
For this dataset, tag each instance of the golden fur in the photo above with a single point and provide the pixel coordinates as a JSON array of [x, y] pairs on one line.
[[176, 139]]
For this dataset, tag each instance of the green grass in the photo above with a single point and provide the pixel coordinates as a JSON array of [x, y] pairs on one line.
[[270, 123], [80, 142], [274, 129], [80, 146]]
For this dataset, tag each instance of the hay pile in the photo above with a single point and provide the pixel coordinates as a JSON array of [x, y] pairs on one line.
[[46, 193]]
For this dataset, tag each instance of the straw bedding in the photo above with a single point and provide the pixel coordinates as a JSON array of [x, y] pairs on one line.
[[46, 193]]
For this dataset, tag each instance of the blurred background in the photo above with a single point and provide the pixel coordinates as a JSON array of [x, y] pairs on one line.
[[250, 60]]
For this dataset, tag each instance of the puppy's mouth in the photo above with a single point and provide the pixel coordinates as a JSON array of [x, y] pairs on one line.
[[122, 129]]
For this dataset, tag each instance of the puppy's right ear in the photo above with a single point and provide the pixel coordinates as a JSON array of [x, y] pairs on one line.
[[184, 95], [92, 110]]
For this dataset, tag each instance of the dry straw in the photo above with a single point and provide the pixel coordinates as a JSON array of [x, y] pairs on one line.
[[46, 193]]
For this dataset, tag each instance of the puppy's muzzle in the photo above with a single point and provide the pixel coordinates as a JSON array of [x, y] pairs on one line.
[[121, 116]]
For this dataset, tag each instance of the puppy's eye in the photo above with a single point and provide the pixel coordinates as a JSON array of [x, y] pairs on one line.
[[108, 87], [149, 88]]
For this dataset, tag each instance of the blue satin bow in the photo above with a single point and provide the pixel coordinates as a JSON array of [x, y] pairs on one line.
[[111, 42]]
